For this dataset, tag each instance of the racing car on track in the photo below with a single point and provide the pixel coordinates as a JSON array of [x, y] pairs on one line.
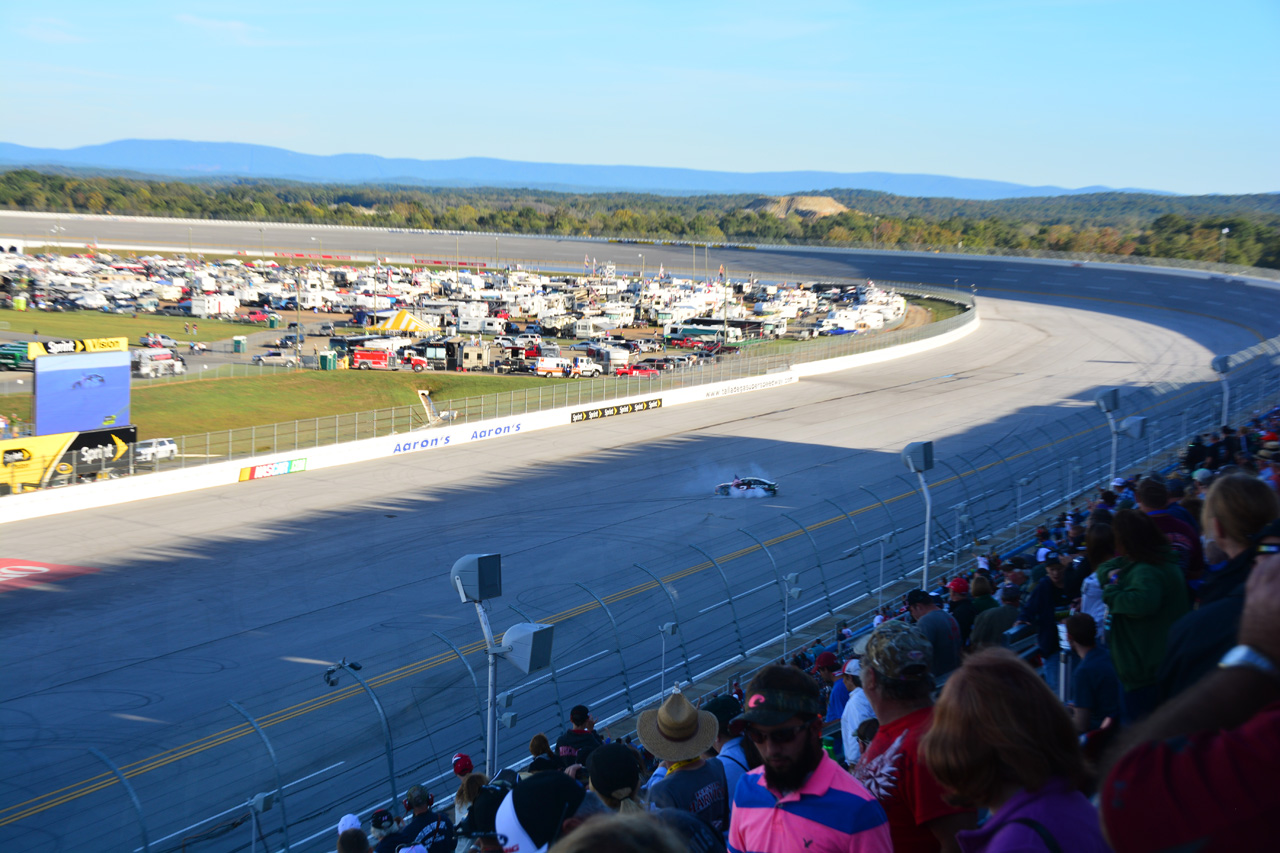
[[747, 485]]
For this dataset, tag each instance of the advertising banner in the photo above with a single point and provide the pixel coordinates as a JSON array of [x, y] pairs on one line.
[[41, 461], [37, 348]]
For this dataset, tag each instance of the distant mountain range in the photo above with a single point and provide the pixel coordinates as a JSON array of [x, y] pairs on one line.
[[180, 159]]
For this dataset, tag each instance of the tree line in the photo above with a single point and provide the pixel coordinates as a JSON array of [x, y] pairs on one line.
[[1188, 228]]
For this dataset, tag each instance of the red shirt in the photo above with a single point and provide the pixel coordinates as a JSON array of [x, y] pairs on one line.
[[1212, 791], [911, 797]]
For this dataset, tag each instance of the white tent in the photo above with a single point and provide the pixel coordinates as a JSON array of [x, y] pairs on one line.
[[401, 321]]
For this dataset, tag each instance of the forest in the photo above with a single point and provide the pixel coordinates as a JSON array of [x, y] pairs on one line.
[[1241, 229]]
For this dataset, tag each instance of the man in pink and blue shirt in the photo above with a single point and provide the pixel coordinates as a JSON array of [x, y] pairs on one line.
[[799, 799]]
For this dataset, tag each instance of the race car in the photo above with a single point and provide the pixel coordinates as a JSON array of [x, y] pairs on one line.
[[747, 485]]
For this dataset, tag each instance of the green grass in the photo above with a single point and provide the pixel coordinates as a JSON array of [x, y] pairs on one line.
[[939, 308], [95, 324]]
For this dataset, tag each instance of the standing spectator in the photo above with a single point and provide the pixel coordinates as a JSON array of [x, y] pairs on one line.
[[989, 627], [1153, 499], [1100, 547], [540, 747], [895, 674], [730, 746], [542, 809], [983, 597], [1145, 594], [1048, 604], [1095, 687], [1239, 513], [576, 744], [961, 608], [468, 789], [426, 827], [614, 771], [827, 668], [800, 799], [679, 734], [1001, 740], [857, 710], [939, 627], [1199, 773]]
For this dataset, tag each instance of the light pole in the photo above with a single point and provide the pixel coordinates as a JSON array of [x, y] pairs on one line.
[[1222, 245], [189, 252], [262, 243], [1108, 401], [790, 590], [642, 267], [331, 679], [1222, 366], [666, 629], [918, 457]]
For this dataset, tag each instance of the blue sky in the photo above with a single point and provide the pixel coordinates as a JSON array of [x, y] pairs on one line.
[[1172, 95]]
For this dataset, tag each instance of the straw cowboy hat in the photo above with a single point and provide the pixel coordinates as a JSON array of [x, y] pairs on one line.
[[677, 731]]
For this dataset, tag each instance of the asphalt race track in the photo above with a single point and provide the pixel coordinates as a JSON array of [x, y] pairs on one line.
[[247, 592]]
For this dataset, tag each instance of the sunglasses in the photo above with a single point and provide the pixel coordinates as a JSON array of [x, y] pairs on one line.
[[777, 736]]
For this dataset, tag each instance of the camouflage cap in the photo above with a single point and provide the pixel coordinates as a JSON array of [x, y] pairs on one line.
[[899, 651]]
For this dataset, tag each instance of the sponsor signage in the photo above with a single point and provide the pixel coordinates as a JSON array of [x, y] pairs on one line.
[[41, 461], [272, 469], [610, 411], [66, 347]]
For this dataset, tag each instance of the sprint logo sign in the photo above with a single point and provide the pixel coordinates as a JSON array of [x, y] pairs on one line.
[[610, 411]]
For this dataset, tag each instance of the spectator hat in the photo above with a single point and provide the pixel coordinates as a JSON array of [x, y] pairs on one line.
[[899, 651], [614, 771], [1202, 475], [1010, 592], [462, 764], [1118, 483], [919, 596], [959, 585], [772, 707], [677, 731], [531, 815], [852, 667], [826, 660], [725, 707], [381, 820], [349, 821], [418, 796]]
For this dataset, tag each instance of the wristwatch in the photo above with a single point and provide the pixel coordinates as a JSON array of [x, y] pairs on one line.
[[1251, 658]]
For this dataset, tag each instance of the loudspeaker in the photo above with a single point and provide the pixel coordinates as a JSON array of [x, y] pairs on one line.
[[918, 456], [530, 646], [478, 577]]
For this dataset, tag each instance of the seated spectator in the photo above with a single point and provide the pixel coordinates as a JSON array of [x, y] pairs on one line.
[[1099, 548], [1000, 740], [426, 827], [468, 788], [1153, 499], [984, 599], [1238, 513], [856, 711], [827, 669], [633, 833], [895, 674], [1095, 687], [576, 744], [353, 841], [730, 745], [381, 824], [614, 771], [1199, 773], [542, 809], [799, 794], [961, 607], [540, 747], [1145, 593], [679, 734], [479, 828], [939, 627], [989, 627]]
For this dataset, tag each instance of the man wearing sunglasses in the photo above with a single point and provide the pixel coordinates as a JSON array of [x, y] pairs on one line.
[[799, 799]]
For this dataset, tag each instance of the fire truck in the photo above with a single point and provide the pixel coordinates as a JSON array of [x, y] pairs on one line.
[[377, 359]]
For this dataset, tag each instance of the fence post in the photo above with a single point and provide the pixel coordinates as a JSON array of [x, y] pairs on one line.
[[826, 589], [271, 753], [617, 639], [480, 715], [782, 588], [133, 795], [728, 590], [675, 614]]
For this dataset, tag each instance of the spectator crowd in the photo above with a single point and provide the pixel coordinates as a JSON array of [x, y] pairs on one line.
[[1143, 713]]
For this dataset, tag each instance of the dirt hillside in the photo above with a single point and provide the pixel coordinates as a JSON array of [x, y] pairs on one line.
[[804, 206]]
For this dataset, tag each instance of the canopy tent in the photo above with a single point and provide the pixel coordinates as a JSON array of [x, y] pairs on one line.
[[401, 321]]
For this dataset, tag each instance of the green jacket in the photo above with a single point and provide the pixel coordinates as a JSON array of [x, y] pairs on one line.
[[1143, 603]]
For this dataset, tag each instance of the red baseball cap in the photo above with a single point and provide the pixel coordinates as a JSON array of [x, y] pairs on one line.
[[959, 585], [826, 660], [462, 764]]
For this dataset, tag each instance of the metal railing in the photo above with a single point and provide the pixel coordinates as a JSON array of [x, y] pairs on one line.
[[727, 594]]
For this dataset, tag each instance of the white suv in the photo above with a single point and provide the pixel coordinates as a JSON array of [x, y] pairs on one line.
[[155, 449]]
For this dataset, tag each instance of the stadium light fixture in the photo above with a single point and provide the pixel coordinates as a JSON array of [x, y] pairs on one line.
[[918, 457]]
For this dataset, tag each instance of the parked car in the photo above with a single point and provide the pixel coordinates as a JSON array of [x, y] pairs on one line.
[[276, 359], [14, 357], [157, 341], [155, 449], [290, 341], [658, 363], [635, 370]]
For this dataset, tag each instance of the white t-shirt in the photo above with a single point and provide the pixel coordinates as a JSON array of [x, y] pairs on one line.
[[857, 709]]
